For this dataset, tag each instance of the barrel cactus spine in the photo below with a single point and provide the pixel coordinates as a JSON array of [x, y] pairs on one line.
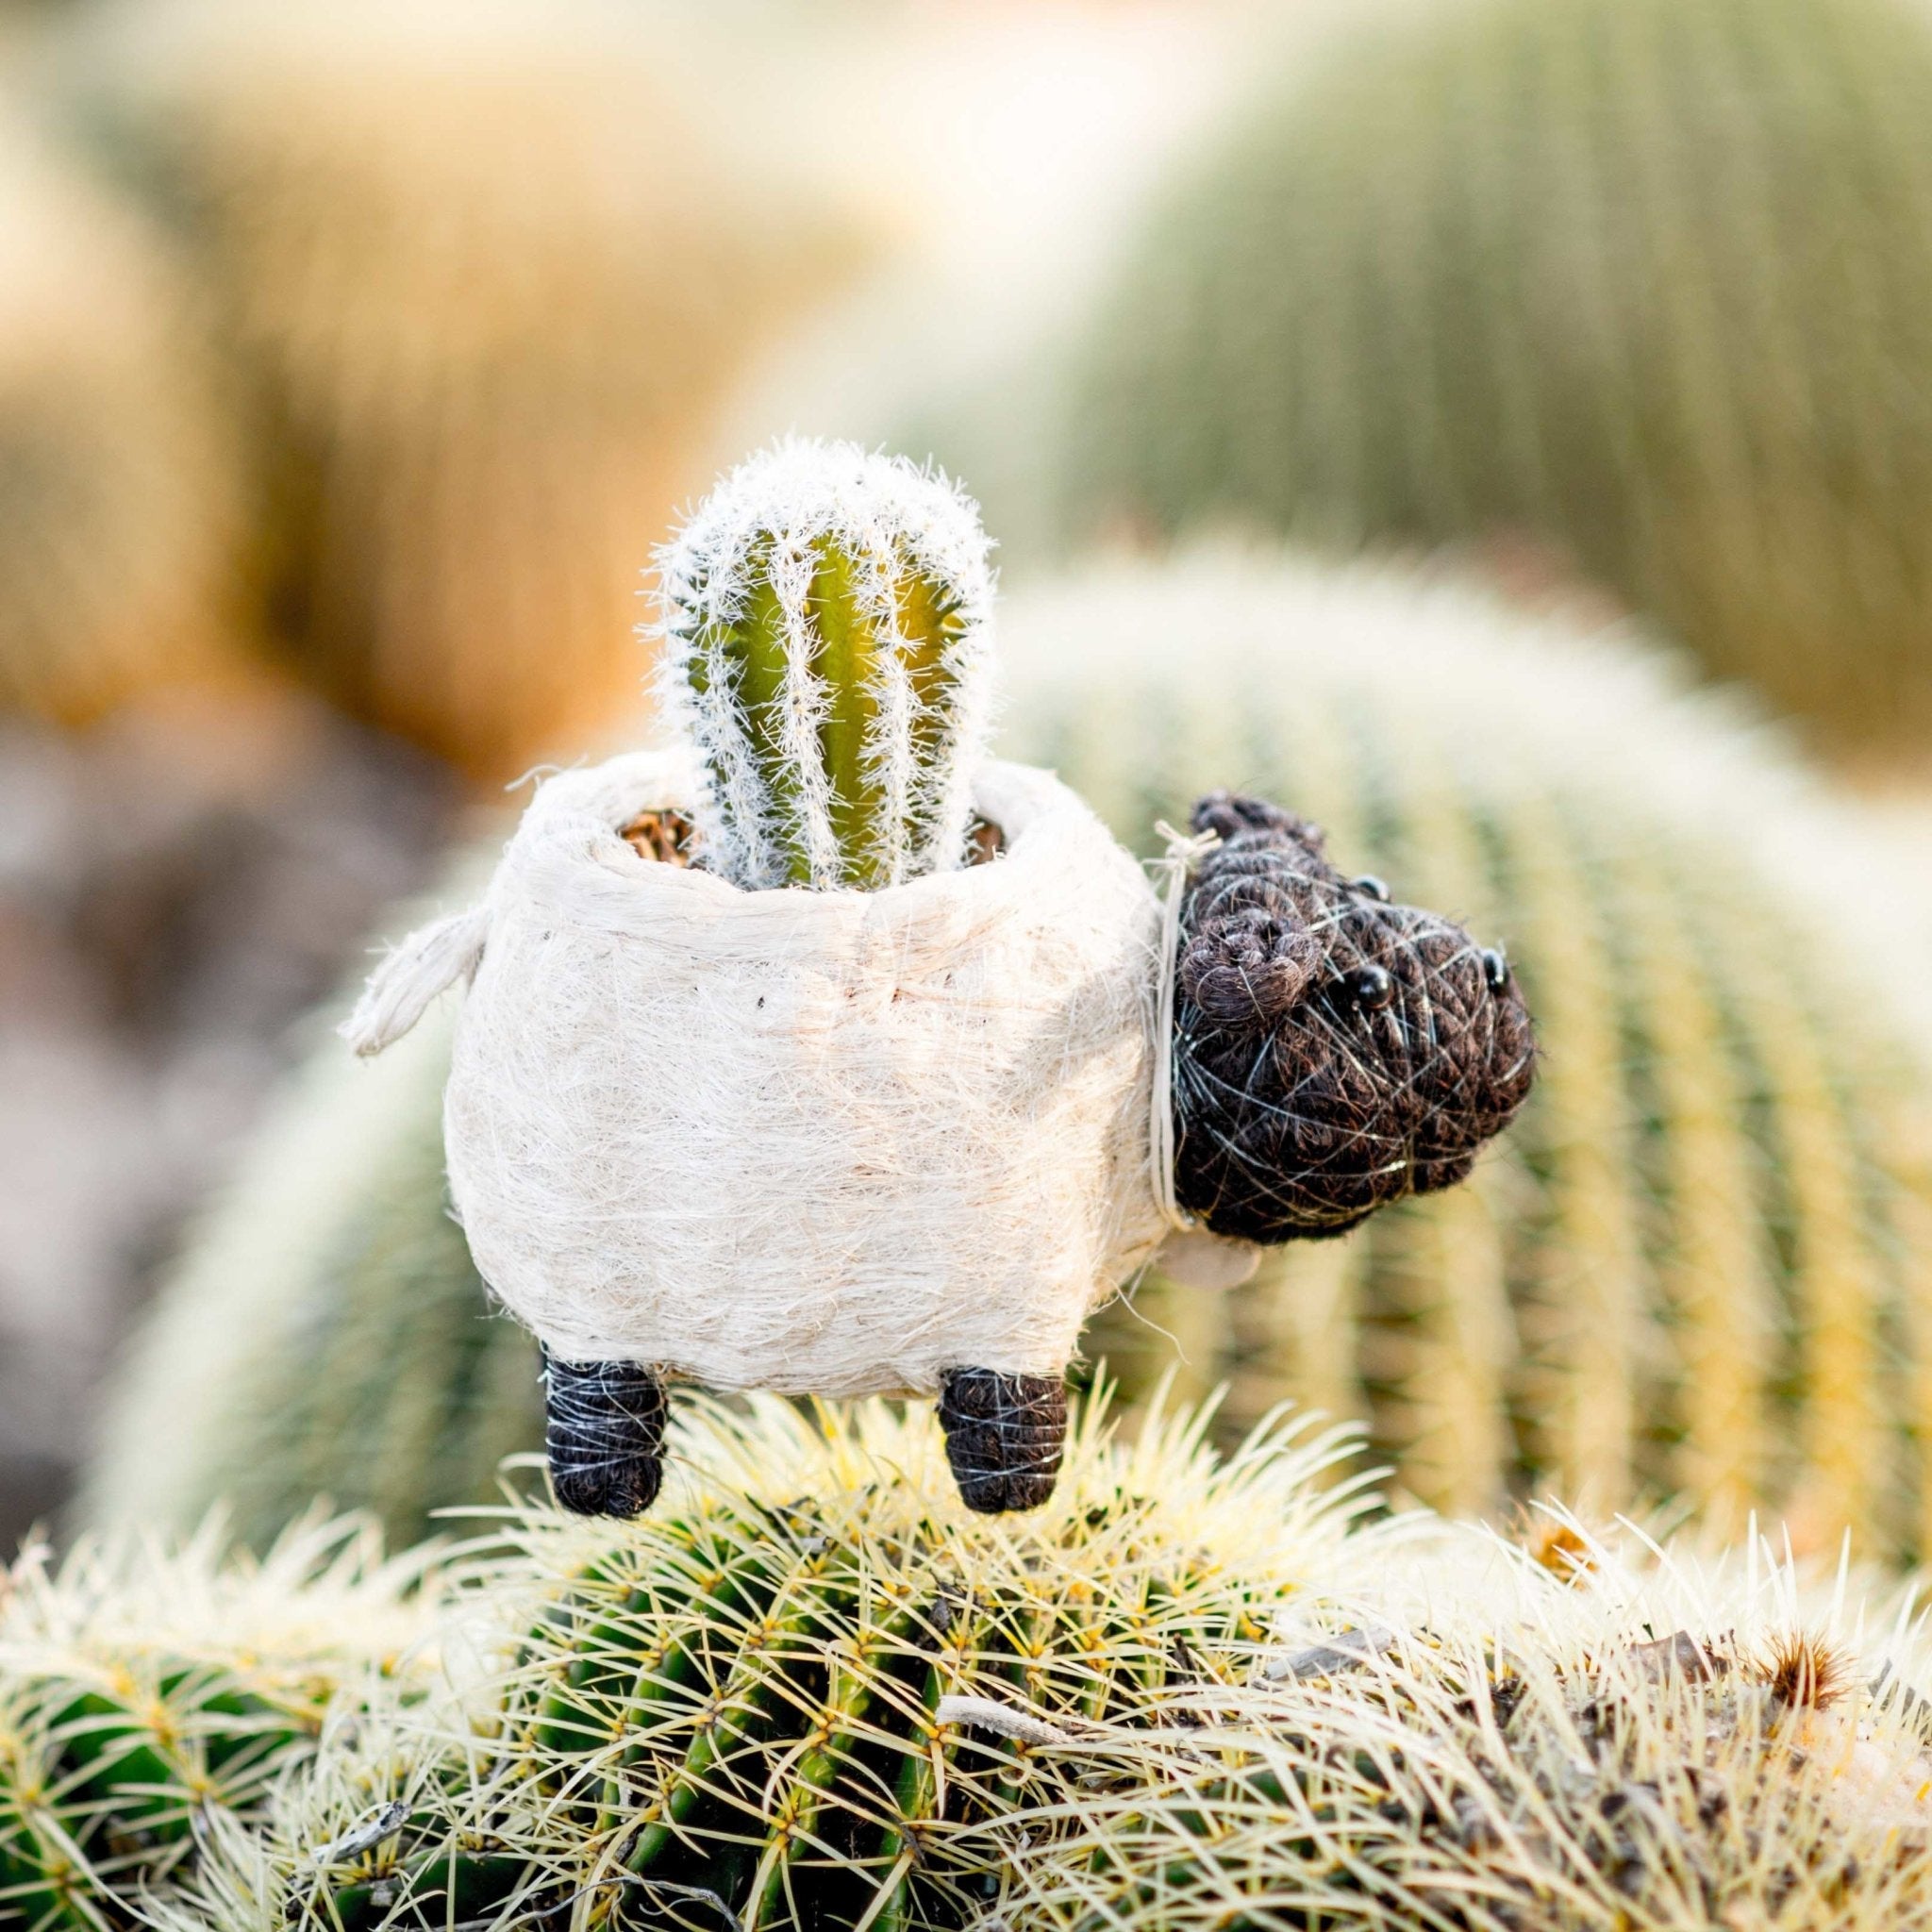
[[814, 1691], [1629, 290], [737, 1705], [146, 1696], [1503, 1773]]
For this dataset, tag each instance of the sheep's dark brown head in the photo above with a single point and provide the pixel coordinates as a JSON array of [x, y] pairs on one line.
[[1332, 1052]]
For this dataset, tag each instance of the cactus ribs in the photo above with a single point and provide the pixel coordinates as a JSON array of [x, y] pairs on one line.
[[1333, 1052]]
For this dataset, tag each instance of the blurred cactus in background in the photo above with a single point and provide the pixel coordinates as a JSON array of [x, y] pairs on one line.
[[825, 616], [189, 846], [178, 884], [1691, 1264], [121, 489], [1633, 287], [489, 270], [328, 1311]]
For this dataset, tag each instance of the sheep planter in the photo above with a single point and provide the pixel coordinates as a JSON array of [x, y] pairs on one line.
[[823, 1054]]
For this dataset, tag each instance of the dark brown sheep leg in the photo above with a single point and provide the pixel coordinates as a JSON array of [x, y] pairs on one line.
[[1003, 1436], [604, 1434]]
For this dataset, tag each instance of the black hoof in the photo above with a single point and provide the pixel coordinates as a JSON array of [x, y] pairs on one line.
[[604, 1434], [1004, 1437]]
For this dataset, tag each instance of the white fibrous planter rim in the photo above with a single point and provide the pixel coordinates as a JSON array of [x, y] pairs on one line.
[[825, 1141]]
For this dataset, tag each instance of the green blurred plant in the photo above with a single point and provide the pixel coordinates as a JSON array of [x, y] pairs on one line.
[[1627, 285], [338, 1328]]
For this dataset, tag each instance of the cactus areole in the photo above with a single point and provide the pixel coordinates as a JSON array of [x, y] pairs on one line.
[[823, 1053]]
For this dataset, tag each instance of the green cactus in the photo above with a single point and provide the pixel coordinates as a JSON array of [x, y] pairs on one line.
[[1628, 286], [1591, 1778], [825, 630], [142, 1696], [1690, 1266], [734, 1706], [815, 1692], [305, 1314]]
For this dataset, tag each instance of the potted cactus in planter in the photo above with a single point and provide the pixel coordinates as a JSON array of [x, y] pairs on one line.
[[821, 1053]]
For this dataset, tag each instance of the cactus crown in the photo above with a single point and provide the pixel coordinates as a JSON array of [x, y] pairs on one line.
[[827, 647]]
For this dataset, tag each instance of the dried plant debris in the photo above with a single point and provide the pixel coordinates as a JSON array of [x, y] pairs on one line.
[[663, 836], [1333, 1052], [1559, 1546]]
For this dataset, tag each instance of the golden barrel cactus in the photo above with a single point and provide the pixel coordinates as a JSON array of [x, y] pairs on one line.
[[1691, 1266], [1634, 287], [121, 494], [152, 1701], [814, 1692]]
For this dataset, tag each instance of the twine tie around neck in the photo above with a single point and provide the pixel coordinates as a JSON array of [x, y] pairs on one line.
[[1185, 850]]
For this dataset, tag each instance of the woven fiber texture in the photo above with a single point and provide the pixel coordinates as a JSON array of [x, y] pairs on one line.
[[1335, 1052], [827, 1142]]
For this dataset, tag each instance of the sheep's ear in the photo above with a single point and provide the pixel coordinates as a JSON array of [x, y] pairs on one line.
[[1233, 988]]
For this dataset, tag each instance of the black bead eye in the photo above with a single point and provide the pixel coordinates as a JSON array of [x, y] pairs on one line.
[[1495, 969], [1370, 987], [1369, 886]]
